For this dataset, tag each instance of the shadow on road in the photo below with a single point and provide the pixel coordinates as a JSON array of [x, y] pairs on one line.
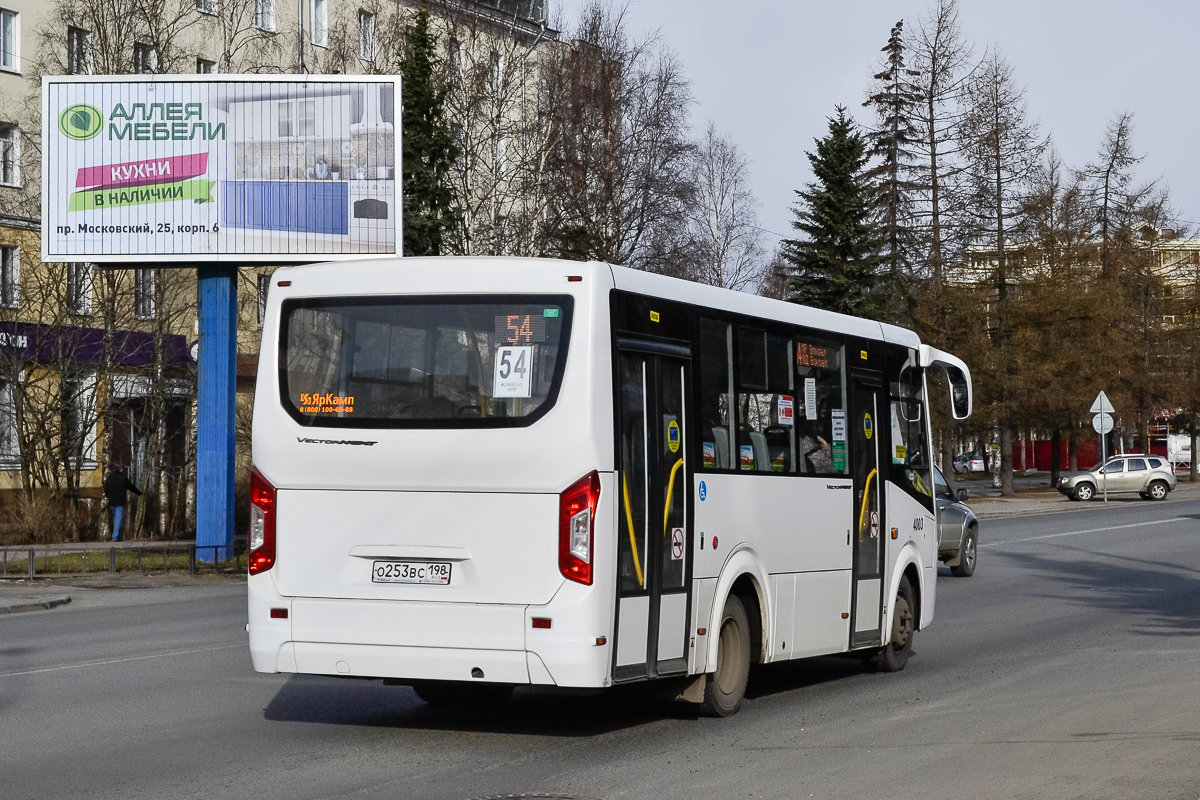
[[1164, 596], [531, 710], [787, 676]]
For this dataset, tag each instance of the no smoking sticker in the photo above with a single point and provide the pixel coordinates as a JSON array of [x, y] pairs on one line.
[[677, 544]]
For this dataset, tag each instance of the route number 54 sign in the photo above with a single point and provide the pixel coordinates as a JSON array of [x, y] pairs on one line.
[[514, 372]]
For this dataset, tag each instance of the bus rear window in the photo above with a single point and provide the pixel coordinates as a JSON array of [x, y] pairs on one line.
[[494, 361]]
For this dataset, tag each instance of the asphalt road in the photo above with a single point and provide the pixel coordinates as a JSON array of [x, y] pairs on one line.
[[1067, 667]]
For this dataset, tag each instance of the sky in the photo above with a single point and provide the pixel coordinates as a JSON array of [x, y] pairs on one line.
[[769, 73]]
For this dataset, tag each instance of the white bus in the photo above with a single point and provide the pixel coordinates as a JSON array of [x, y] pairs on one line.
[[472, 474]]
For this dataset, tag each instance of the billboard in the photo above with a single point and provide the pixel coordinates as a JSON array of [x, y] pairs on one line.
[[210, 168]]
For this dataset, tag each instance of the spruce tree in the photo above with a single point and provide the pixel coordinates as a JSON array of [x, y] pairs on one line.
[[896, 99], [431, 210], [837, 266]]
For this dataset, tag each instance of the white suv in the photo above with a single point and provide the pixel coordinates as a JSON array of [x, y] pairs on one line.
[[1150, 476]]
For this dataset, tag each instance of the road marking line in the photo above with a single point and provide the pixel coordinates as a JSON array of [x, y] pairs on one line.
[[1089, 530], [86, 664]]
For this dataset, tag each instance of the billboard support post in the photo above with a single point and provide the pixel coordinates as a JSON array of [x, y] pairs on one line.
[[216, 387]]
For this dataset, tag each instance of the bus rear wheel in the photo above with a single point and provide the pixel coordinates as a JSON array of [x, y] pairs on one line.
[[725, 688]]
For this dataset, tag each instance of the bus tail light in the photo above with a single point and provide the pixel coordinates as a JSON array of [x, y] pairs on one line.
[[576, 515], [262, 523]]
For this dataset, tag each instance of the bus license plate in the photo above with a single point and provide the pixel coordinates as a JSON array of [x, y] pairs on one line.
[[432, 572]]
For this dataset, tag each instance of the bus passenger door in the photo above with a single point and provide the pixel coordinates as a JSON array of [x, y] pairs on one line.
[[867, 522], [654, 542]]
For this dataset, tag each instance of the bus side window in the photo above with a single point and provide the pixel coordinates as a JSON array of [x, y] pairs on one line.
[[766, 423], [716, 380], [820, 403]]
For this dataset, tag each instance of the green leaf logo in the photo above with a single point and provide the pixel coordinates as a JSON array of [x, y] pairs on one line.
[[80, 122]]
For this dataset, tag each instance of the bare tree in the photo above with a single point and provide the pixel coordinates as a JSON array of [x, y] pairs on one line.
[[1110, 177], [100, 36], [776, 277], [722, 224], [941, 58], [617, 147], [245, 47], [1002, 149]]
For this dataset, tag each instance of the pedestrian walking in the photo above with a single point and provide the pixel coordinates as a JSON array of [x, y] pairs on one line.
[[115, 487]]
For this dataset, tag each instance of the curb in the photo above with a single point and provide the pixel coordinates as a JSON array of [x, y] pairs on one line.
[[29, 604]]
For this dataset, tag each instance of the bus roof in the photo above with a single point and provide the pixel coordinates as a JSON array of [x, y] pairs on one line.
[[339, 278]]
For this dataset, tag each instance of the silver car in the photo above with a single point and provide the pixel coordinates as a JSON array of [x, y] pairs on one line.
[[1150, 476], [958, 529]]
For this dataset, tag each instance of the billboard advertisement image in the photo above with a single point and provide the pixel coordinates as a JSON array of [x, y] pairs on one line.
[[213, 168]]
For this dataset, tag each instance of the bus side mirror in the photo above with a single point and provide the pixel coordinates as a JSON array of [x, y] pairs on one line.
[[958, 376], [961, 495]]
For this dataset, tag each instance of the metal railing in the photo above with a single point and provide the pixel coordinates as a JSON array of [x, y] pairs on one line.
[[146, 558]]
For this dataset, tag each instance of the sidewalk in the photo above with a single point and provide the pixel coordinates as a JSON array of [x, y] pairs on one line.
[[21, 594], [1049, 501]]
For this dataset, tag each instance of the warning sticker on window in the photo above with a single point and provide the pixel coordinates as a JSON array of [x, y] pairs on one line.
[[784, 409]]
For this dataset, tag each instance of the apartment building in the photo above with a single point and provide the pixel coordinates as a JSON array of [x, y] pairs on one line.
[[97, 366]]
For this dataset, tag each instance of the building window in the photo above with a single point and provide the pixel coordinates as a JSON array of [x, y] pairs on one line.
[[264, 14], [79, 417], [366, 35], [500, 155], [143, 293], [206, 6], [459, 137], [264, 285], [285, 119], [10, 276], [455, 61], [496, 74], [10, 154], [308, 117], [298, 122], [205, 67], [79, 287], [145, 59], [79, 51], [10, 40], [319, 29], [10, 443]]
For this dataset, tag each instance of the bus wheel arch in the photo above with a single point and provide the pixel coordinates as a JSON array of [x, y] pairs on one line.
[[747, 590], [913, 574], [742, 576]]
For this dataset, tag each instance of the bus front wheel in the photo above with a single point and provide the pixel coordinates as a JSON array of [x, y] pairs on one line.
[[893, 656], [725, 688]]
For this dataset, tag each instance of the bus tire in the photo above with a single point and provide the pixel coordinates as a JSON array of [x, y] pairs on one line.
[[893, 656], [461, 695], [725, 687]]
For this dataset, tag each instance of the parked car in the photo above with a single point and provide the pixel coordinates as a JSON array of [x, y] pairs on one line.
[[1150, 476], [969, 462], [958, 529]]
